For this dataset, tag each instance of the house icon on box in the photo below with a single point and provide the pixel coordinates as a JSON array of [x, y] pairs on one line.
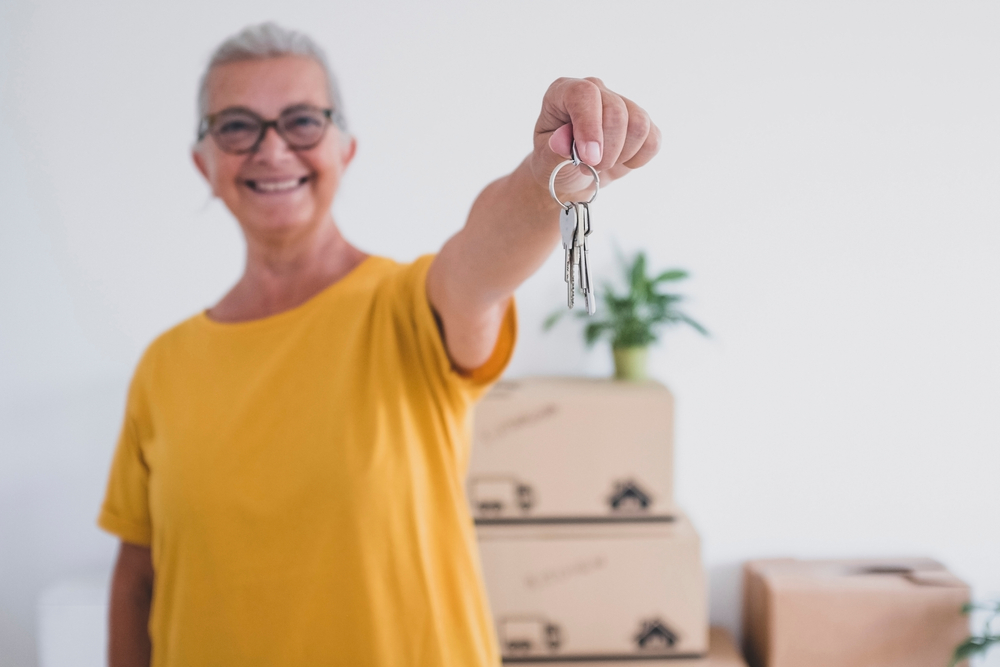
[[655, 635], [628, 496]]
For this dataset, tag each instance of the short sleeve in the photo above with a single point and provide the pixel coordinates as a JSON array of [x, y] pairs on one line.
[[125, 511], [412, 283]]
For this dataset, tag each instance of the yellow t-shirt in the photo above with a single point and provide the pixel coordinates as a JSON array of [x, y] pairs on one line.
[[300, 480]]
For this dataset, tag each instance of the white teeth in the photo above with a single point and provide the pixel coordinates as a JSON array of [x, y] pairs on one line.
[[276, 186]]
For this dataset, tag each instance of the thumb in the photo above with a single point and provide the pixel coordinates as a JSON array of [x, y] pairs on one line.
[[561, 140]]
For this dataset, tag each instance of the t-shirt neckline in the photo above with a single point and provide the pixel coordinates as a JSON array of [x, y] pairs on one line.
[[295, 311]]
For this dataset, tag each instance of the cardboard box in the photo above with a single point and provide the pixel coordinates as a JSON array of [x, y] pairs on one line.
[[596, 591], [862, 613], [572, 449], [722, 652]]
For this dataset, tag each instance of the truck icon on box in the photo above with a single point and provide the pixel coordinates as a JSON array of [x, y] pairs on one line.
[[529, 635], [500, 497]]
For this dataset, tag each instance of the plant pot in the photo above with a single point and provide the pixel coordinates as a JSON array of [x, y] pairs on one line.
[[630, 363]]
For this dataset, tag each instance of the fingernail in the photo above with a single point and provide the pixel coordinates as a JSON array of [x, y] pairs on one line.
[[591, 152]]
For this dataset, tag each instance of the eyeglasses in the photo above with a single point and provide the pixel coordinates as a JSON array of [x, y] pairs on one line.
[[237, 130]]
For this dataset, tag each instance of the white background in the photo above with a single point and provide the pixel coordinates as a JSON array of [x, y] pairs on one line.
[[830, 176]]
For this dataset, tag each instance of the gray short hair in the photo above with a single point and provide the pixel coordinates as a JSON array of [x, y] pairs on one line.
[[269, 40]]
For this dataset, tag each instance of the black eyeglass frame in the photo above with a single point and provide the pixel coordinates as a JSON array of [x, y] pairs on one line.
[[205, 127]]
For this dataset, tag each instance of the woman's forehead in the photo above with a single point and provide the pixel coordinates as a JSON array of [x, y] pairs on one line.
[[267, 85]]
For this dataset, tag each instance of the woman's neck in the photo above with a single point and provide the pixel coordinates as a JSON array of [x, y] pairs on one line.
[[280, 276]]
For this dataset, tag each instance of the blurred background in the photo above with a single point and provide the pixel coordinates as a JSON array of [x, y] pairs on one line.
[[830, 176]]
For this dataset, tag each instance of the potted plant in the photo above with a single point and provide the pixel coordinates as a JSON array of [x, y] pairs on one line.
[[633, 320], [979, 644]]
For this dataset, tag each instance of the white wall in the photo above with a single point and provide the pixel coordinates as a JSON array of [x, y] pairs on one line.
[[829, 175]]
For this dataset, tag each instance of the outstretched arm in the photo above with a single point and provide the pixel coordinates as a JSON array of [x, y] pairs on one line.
[[513, 224]]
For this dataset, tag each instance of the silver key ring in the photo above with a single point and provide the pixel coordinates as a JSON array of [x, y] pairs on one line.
[[575, 160]]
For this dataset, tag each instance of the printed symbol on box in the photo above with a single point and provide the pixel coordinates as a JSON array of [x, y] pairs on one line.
[[886, 569], [528, 634], [516, 423], [495, 496], [628, 496], [655, 635]]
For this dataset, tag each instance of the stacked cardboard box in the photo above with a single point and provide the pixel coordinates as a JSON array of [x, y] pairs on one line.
[[585, 554], [863, 613]]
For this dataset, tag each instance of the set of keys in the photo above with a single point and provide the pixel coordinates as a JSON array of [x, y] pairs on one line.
[[574, 227]]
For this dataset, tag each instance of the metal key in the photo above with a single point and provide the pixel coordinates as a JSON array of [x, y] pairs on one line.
[[585, 264], [568, 226], [583, 255], [581, 227]]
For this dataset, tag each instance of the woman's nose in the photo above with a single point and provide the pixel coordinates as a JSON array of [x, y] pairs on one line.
[[271, 146]]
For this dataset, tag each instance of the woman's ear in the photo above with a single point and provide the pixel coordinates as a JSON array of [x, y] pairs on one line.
[[199, 161], [348, 149]]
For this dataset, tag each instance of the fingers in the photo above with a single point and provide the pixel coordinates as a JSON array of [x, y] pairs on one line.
[[628, 123], [650, 147], [636, 131], [583, 101], [609, 129], [561, 141], [614, 118], [612, 133]]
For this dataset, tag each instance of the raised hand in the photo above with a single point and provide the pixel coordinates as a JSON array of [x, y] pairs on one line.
[[513, 224], [612, 133]]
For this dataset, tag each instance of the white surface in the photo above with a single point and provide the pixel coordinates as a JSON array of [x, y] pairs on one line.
[[829, 175], [72, 623]]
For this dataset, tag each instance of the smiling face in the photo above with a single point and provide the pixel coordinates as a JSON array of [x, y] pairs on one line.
[[275, 192]]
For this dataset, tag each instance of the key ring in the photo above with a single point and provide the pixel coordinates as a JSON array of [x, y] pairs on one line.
[[575, 160]]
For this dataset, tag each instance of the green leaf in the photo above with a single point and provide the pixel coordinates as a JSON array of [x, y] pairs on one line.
[[552, 319], [973, 646], [637, 274], [981, 606], [697, 327], [593, 331], [672, 274]]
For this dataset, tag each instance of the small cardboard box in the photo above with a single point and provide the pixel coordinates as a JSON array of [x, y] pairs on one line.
[[572, 449], [589, 592], [862, 613]]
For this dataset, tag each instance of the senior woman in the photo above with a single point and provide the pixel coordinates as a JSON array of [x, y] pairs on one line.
[[288, 483]]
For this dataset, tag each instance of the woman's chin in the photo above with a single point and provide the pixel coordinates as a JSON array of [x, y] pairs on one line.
[[277, 223]]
